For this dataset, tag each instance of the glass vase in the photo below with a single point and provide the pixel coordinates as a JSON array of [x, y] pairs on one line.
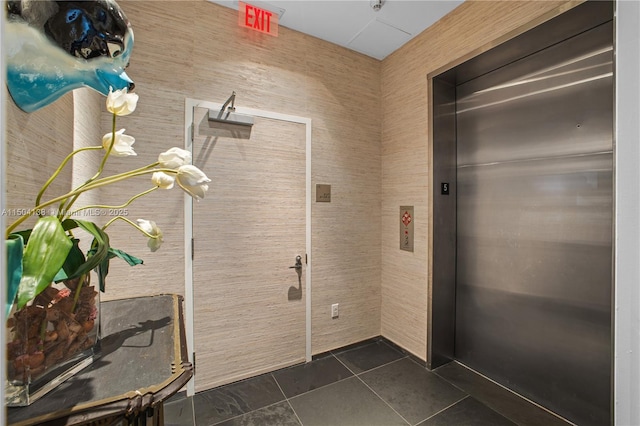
[[51, 339]]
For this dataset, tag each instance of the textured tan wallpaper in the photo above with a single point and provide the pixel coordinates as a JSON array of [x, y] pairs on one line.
[[196, 49], [38, 142], [370, 142], [405, 150], [36, 145]]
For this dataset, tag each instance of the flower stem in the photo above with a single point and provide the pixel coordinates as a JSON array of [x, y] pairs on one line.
[[106, 155], [43, 333], [101, 206], [59, 169], [97, 184], [135, 172], [122, 176], [70, 203], [76, 295], [130, 223]]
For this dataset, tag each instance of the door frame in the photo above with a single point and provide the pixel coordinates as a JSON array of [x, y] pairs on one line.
[[190, 104], [441, 89]]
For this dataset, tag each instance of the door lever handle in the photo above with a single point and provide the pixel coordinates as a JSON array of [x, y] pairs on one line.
[[298, 264]]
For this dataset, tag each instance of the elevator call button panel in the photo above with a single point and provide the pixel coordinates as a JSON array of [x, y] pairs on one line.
[[406, 228]]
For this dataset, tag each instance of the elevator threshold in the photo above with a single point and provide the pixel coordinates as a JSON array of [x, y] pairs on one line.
[[505, 401]]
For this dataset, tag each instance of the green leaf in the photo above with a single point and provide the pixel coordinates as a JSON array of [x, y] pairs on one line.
[[103, 269], [74, 262], [98, 256], [131, 260], [15, 247], [99, 252], [43, 257], [24, 234], [99, 247]]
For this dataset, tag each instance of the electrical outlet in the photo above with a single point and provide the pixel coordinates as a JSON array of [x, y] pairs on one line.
[[334, 310]]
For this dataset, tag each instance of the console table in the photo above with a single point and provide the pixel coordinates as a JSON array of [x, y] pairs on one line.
[[143, 362]]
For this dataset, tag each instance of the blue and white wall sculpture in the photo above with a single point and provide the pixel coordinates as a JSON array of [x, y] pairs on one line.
[[53, 47]]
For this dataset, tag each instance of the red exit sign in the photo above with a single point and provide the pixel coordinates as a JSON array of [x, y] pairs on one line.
[[257, 19]]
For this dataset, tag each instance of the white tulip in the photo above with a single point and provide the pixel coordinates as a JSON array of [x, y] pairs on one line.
[[121, 145], [174, 158], [152, 229], [163, 180], [193, 181], [121, 103]]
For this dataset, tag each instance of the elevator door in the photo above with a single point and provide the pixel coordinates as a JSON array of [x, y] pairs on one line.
[[249, 303], [534, 226]]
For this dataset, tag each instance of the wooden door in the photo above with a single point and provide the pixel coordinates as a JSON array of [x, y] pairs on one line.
[[249, 305]]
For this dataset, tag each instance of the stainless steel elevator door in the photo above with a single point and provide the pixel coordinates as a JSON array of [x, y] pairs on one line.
[[534, 226]]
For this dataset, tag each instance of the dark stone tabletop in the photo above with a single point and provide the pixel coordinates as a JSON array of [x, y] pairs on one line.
[[142, 362]]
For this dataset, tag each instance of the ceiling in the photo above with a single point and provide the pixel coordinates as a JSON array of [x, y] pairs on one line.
[[354, 24]]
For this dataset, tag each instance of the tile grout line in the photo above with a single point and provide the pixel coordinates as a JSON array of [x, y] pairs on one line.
[[381, 399], [230, 418], [345, 365], [445, 408], [450, 382], [354, 374], [514, 393], [256, 409], [369, 387], [248, 412], [323, 386], [383, 365], [287, 399]]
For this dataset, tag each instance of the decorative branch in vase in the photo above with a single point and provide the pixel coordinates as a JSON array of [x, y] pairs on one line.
[[52, 305]]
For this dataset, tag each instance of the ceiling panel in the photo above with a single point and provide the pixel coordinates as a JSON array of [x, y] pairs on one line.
[[354, 24], [377, 39]]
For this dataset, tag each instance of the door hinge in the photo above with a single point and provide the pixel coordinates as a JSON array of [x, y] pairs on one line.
[[193, 363], [193, 248], [306, 259]]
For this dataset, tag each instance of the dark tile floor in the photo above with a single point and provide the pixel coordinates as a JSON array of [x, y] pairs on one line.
[[371, 383]]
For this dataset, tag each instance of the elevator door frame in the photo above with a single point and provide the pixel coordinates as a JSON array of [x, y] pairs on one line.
[[560, 24], [555, 26]]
